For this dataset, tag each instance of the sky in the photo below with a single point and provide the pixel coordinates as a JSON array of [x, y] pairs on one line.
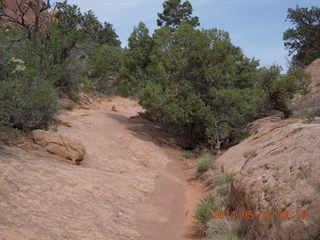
[[256, 26]]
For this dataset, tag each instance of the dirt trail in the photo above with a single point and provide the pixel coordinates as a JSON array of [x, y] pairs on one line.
[[132, 183]]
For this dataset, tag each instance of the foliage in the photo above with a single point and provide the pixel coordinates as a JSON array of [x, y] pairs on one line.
[[98, 32], [77, 26], [198, 83], [133, 73], [201, 84], [303, 40], [105, 63], [8, 134], [175, 12], [70, 106], [69, 51], [27, 97], [70, 42], [281, 88], [204, 212], [26, 107]]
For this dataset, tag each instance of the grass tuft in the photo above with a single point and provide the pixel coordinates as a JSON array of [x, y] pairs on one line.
[[219, 229], [188, 154], [9, 133], [223, 179], [226, 229], [204, 212], [222, 185], [70, 106], [205, 163]]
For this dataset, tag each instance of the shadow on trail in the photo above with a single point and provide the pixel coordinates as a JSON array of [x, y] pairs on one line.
[[145, 130]]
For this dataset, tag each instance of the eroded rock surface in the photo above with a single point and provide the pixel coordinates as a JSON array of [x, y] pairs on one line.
[[61, 146]]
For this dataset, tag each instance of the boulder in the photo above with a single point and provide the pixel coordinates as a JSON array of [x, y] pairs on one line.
[[61, 146], [277, 170]]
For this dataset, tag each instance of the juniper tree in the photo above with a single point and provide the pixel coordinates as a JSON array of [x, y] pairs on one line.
[[303, 40], [175, 12]]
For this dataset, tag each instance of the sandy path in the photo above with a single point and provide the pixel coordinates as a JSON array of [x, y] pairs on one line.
[[129, 186]]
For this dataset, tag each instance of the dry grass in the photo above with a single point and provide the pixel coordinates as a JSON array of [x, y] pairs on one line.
[[309, 112], [70, 106], [188, 154], [205, 163], [219, 229], [226, 229], [204, 212]]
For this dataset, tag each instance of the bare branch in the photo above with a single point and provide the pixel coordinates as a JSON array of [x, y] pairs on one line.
[[45, 6]]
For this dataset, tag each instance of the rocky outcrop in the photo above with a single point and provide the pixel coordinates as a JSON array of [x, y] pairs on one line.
[[313, 97], [234, 159], [29, 15], [16, 10], [277, 169], [60, 146]]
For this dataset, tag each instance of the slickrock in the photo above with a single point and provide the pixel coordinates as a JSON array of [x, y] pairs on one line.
[[278, 170]]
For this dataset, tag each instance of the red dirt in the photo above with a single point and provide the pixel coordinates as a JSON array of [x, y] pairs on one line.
[[132, 184]]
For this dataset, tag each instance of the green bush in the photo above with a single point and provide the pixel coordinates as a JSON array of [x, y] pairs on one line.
[[26, 101], [72, 53], [201, 84], [82, 46], [133, 73], [198, 83], [9, 133], [25, 107], [70, 106], [105, 63], [204, 212], [281, 88]]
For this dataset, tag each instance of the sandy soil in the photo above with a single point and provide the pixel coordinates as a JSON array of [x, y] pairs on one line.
[[132, 184]]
